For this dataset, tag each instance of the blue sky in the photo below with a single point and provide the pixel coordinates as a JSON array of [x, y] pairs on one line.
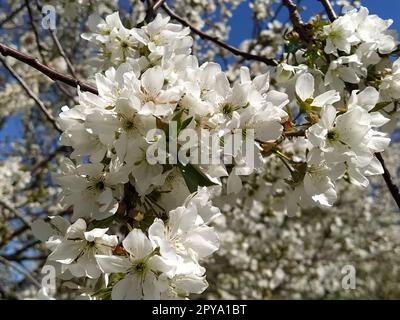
[[241, 28], [241, 25]]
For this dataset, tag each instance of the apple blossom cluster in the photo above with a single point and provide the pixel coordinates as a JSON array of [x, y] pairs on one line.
[[157, 84], [340, 96], [141, 225], [154, 81], [162, 264]]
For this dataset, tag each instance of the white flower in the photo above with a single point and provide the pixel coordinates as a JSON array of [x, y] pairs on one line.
[[91, 189], [317, 185], [141, 266], [339, 137], [340, 35], [79, 247], [186, 238], [341, 70], [390, 85], [372, 29], [305, 88]]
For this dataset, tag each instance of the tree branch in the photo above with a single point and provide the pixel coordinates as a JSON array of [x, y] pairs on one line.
[[12, 15], [15, 212], [35, 31], [150, 12], [51, 73], [294, 15], [394, 190], [329, 10], [203, 35], [32, 95], [21, 270]]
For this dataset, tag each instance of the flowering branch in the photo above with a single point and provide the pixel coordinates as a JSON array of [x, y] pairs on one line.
[[203, 35], [50, 72]]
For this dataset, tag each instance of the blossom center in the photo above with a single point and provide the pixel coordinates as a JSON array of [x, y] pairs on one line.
[[332, 135]]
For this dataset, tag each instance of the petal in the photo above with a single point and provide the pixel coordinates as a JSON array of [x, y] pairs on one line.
[[129, 288], [76, 230], [234, 183], [67, 251], [153, 81], [95, 233], [305, 86], [137, 244], [113, 264]]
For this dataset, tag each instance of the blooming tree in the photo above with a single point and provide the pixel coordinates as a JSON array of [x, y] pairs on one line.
[[160, 156]]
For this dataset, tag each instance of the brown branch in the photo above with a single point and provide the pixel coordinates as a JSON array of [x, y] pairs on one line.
[[298, 25], [31, 94], [203, 35], [51, 73], [294, 15], [394, 190], [150, 12], [299, 133], [329, 10]]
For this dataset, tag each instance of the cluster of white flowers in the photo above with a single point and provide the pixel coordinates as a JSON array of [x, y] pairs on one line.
[[164, 264], [342, 143], [155, 83], [342, 87], [13, 178], [341, 92]]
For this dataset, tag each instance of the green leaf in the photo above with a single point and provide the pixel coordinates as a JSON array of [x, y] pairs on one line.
[[185, 123], [193, 177], [105, 223], [178, 115], [380, 106]]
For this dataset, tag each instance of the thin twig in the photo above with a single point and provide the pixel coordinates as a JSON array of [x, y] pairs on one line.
[[329, 10], [21, 270], [18, 252], [35, 31], [150, 12], [203, 35], [12, 15], [15, 212], [60, 48], [50, 72], [394, 190], [62, 52], [31, 94]]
